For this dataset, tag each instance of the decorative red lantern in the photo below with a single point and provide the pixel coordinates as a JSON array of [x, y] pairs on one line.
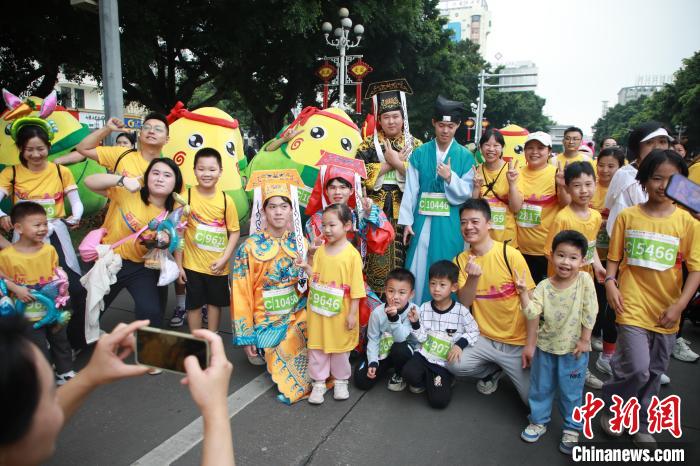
[[358, 70], [326, 72], [469, 123]]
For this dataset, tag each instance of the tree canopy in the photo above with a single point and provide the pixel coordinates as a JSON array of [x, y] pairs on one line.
[[255, 58]]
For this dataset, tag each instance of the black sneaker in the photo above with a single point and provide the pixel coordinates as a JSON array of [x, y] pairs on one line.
[[396, 383]]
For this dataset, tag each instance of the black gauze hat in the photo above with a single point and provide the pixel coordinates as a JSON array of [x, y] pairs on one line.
[[448, 110]]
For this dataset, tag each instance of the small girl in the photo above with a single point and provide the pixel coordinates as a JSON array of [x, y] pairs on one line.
[[604, 337], [334, 299], [644, 285]]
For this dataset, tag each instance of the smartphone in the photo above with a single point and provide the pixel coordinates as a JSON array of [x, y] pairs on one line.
[[167, 350], [684, 192]]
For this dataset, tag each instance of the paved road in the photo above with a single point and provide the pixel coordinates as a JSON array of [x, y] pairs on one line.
[[121, 423]]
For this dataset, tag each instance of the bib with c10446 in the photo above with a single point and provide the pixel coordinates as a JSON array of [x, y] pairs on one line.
[[434, 204], [654, 251]]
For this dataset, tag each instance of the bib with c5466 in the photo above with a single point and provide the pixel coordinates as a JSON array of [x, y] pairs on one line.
[[529, 215], [654, 251], [281, 301], [210, 238], [437, 345], [434, 204], [326, 300]]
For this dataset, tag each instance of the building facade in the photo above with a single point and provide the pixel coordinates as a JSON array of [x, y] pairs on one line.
[[468, 20]]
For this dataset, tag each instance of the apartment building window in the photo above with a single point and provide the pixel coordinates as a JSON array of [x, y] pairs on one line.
[[79, 98], [65, 96]]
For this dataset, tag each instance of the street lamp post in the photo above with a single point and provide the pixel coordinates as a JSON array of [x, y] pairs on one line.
[[679, 130], [342, 42]]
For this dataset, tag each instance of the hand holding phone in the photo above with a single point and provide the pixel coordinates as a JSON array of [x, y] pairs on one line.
[[167, 350], [684, 191], [209, 386]]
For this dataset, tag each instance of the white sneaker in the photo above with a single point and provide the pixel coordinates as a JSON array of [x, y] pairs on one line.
[[682, 351], [603, 365], [396, 383], [256, 360], [597, 343], [665, 380], [318, 389], [61, 379], [340, 390], [155, 371], [489, 384], [592, 381]]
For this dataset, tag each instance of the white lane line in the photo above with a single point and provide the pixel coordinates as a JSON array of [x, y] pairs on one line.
[[184, 440]]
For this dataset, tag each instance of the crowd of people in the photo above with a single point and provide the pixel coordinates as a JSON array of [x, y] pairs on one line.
[[429, 266]]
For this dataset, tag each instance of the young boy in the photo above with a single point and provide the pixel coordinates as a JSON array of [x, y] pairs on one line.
[[389, 339], [29, 264], [444, 328], [210, 239], [578, 216], [565, 305]]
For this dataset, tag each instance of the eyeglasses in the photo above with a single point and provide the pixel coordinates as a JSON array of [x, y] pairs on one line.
[[571, 139], [155, 129]]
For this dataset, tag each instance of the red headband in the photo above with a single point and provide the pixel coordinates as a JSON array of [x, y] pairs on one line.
[[179, 111]]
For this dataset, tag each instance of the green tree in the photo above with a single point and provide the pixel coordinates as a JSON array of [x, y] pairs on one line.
[[521, 108]]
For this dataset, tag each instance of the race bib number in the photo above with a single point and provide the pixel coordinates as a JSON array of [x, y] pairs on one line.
[[49, 206], [437, 345], [304, 194], [390, 177], [34, 311], [498, 217], [590, 251], [602, 240], [325, 300], [280, 302], [434, 204], [654, 251], [385, 343], [529, 216], [210, 238]]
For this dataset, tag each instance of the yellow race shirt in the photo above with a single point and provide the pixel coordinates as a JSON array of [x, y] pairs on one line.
[[496, 307], [45, 187], [31, 270], [598, 203], [540, 205], [130, 214], [495, 191], [207, 231], [563, 159], [567, 219], [650, 251], [694, 172], [132, 164], [336, 280]]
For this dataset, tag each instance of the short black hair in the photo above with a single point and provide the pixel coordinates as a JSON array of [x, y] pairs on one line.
[[401, 274], [342, 180], [492, 133], [616, 152], [574, 238], [476, 204], [576, 169], [21, 210], [284, 199], [573, 129], [655, 158], [159, 117], [20, 386], [444, 269], [130, 136], [169, 202], [207, 152], [342, 211]]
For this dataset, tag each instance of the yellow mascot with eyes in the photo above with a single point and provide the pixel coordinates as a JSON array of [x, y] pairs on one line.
[[300, 145], [214, 128]]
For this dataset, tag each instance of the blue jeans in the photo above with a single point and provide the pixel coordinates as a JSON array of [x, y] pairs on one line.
[[553, 374]]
